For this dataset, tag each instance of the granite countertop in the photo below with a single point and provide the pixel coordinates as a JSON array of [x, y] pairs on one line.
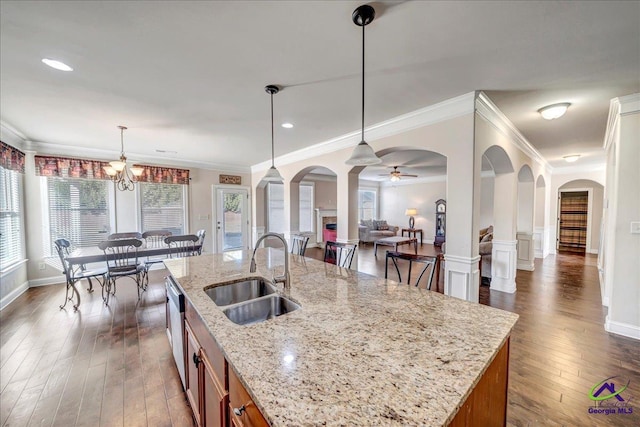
[[360, 351]]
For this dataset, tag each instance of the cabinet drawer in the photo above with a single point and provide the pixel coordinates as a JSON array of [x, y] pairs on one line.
[[208, 344], [238, 398]]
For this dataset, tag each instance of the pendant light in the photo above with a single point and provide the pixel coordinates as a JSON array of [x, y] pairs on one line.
[[272, 174], [363, 154]]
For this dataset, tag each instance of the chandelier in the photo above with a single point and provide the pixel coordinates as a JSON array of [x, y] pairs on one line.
[[123, 178]]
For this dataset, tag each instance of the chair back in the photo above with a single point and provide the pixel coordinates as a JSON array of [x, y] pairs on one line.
[[182, 246], [128, 235], [62, 248], [122, 254], [201, 234], [428, 266], [340, 254], [155, 238], [298, 244]]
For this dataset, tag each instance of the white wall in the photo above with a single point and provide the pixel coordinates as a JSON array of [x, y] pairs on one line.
[[396, 197], [486, 201]]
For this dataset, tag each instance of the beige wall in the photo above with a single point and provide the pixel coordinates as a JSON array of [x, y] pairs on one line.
[[325, 194], [395, 198]]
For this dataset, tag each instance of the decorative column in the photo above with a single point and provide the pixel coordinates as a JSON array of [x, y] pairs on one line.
[[504, 255]]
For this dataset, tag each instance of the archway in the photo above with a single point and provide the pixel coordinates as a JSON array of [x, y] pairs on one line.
[[524, 230], [313, 207], [498, 193]]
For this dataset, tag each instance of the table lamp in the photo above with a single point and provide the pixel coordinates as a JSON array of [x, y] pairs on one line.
[[410, 213]]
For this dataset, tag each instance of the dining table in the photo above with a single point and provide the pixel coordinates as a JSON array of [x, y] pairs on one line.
[[89, 255]]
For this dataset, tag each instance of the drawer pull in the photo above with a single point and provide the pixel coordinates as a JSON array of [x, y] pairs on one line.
[[239, 411]]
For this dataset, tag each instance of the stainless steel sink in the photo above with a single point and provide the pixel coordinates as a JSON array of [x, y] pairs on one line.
[[245, 290], [260, 310]]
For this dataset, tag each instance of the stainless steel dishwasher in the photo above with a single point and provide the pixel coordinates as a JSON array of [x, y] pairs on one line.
[[175, 324]]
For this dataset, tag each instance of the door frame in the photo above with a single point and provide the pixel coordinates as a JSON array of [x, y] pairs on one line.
[[214, 224], [587, 249]]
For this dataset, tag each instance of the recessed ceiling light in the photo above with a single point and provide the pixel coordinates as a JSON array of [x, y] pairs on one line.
[[554, 111], [571, 158], [287, 125], [57, 64]]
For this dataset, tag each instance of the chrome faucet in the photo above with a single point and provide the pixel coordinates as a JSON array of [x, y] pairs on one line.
[[285, 278]]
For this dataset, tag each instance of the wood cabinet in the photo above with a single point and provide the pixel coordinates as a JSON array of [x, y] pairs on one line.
[[243, 412], [206, 384]]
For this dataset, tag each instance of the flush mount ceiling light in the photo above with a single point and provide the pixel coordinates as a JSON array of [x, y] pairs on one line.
[[118, 171], [272, 174], [554, 111], [571, 158], [363, 154], [287, 125], [56, 64]]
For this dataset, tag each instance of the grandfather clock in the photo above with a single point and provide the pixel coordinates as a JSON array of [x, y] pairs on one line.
[[441, 222]]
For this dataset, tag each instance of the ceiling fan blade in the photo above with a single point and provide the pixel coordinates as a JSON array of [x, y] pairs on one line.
[[411, 176]]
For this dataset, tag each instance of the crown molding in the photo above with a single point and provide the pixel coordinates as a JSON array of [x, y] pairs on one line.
[[445, 110], [101, 154], [621, 106], [490, 112], [11, 135]]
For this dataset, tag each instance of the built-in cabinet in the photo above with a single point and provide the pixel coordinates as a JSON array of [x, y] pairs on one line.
[[213, 389]]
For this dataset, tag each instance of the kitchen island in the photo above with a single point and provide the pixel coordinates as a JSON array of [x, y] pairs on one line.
[[360, 351]]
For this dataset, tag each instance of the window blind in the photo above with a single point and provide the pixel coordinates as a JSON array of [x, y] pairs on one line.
[[275, 204], [162, 207], [10, 217], [78, 211], [366, 204], [306, 207]]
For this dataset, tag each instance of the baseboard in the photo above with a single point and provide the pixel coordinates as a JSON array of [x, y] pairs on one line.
[[45, 281], [624, 329], [593, 251], [11, 296], [526, 267]]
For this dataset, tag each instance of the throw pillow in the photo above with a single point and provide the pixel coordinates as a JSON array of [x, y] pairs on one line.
[[380, 223], [487, 238], [383, 227], [368, 223]]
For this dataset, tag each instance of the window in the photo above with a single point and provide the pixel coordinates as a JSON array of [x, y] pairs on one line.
[[366, 204], [275, 207], [162, 207], [10, 217], [78, 210], [306, 207]]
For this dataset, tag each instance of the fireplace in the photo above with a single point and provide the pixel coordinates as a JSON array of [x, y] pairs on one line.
[[324, 217]]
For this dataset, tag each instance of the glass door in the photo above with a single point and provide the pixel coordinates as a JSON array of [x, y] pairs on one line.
[[232, 219]]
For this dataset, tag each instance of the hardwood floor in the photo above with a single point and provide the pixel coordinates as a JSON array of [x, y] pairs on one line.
[[113, 365]]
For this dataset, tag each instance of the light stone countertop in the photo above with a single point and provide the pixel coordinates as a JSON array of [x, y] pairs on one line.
[[361, 350]]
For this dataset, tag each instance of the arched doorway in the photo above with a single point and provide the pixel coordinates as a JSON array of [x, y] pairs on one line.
[[580, 207]]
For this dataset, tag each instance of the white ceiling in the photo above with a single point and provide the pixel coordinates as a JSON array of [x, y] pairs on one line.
[[190, 76]]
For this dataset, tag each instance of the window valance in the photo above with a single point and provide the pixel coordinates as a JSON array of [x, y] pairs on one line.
[[64, 167], [163, 175], [11, 158]]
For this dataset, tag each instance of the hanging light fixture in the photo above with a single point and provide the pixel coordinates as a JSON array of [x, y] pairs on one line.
[[363, 154], [118, 172], [272, 174]]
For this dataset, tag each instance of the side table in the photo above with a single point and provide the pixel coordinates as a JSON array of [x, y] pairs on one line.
[[415, 231]]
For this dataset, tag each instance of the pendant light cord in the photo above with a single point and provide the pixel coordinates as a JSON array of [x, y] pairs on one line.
[[122, 141], [272, 150], [363, 82]]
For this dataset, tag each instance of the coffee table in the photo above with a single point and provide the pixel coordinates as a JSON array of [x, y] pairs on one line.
[[395, 241]]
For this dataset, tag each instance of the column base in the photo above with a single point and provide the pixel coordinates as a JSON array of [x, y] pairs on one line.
[[503, 266], [462, 277]]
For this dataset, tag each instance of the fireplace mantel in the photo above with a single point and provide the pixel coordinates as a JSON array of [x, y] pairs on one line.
[[324, 216]]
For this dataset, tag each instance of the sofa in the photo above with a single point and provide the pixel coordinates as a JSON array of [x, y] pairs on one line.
[[372, 230], [484, 250]]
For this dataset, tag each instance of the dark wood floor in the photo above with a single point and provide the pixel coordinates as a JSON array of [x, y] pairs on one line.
[[113, 366]]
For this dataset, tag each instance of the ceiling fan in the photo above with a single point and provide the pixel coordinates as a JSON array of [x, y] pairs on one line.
[[395, 174]]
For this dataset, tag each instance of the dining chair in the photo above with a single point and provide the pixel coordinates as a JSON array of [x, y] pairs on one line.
[[429, 264], [153, 239], [182, 245], [73, 276], [201, 234], [340, 254], [122, 261], [127, 235], [298, 244]]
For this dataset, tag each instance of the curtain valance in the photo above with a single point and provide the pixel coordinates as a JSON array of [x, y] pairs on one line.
[[64, 167], [163, 175], [11, 158]]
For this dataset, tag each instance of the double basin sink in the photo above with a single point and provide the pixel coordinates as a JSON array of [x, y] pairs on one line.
[[250, 301]]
